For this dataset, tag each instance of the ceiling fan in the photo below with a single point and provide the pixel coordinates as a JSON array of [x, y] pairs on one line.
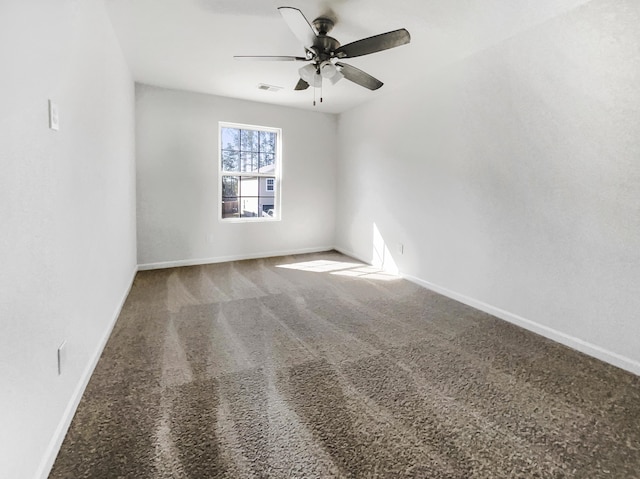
[[324, 52]]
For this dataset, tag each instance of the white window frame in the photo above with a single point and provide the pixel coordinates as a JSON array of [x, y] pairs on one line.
[[277, 173]]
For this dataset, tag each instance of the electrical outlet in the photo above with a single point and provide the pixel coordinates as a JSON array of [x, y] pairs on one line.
[[62, 356], [400, 248]]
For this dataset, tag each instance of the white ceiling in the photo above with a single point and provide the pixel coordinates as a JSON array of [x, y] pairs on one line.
[[189, 44]]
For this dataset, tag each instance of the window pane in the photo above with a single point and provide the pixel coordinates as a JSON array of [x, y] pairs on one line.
[[229, 186], [250, 140], [267, 142], [230, 208], [249, 207], [230, 139], [229, 197], [230, 160], [267, 186], [267, 163], [268, 210], [249, 185], [248, 161]]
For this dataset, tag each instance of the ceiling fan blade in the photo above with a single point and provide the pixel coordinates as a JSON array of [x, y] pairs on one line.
[[374, 44], [358, 76], [301, 85], [281, 58], [336, 78], [299, 25]]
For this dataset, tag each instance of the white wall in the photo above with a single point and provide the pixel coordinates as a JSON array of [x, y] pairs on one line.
[[513, 179], [177, 179], [67, 215]]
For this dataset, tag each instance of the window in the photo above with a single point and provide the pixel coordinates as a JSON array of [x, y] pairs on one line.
[[249, 172]]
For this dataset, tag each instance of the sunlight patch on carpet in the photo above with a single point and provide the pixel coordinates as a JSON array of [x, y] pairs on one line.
[[341, 268], [320, 266]]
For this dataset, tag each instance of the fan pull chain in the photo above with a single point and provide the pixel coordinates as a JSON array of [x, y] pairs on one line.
[[314, 95], [321, 90]]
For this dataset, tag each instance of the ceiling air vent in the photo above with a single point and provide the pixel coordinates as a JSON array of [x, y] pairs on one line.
[[265, 87]]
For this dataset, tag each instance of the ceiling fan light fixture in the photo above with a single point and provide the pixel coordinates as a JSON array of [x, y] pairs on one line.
[[328, 69], [308, 73]]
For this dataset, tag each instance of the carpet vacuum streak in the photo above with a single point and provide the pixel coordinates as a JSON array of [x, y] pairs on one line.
[[317, 366]]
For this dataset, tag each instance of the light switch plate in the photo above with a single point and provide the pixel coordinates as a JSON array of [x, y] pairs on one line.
[[54, 120]]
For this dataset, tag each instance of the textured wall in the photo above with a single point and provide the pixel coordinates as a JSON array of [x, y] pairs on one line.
[[512, 179], [177, 178], [67, 214]]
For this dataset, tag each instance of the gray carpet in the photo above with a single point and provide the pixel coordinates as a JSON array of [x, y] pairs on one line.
[[324, 369]]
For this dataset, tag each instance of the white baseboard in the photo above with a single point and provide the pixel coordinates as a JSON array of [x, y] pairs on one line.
[[223, 259], [58, 437], [571, 341]]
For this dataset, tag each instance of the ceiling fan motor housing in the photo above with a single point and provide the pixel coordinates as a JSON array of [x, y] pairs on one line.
[[324, 46], [323, 25]]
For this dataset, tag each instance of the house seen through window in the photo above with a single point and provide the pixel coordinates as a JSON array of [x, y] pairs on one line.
[[249, 172]]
